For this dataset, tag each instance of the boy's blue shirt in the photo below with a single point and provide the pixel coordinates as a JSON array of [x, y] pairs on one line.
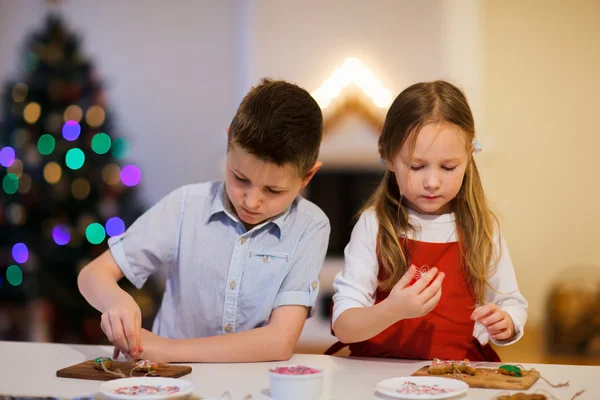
[[221, 278]]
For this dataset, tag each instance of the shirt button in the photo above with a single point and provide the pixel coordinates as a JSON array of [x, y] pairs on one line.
[[243, 239], [232, 285], [228, 328], [314, 285], [266, 258]]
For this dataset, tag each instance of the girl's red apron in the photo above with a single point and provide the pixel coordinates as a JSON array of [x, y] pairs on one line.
[[447, 331]]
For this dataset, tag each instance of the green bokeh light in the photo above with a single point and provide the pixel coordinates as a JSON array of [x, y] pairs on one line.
[[95, 233], [101, 143], [46, 144], [121, 148], [14, 275], [75, 158], [10, 183]]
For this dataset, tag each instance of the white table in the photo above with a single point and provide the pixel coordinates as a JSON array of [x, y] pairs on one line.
[[30, 369]]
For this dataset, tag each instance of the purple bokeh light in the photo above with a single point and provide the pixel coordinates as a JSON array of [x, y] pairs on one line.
[[71, 130], [131, 175], [115, 226], [20, 253], [7, 156], [61, 235]]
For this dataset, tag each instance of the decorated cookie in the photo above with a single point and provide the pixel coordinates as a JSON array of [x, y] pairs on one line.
[[441, 367], [465, 366], [107, 361], [511, 370], [145, 366]]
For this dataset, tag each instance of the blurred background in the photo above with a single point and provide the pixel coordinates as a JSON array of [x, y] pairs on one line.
[[106, 106]]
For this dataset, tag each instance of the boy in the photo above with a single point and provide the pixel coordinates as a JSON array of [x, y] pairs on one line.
[[243, 255]]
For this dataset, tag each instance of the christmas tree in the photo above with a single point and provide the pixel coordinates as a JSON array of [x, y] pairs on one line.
[[65, 187]]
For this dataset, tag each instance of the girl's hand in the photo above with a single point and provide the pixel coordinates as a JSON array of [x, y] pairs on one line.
[[420, 298], [498, 322]]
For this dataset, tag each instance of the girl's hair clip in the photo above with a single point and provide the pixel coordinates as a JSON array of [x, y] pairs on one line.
[[477, 147], [382, 161]]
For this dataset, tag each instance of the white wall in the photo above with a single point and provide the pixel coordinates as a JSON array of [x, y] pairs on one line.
[[541, 104], [170, 67]]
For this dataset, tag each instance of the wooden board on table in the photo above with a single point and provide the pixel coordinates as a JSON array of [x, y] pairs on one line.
[[86, 370], [489, 378]]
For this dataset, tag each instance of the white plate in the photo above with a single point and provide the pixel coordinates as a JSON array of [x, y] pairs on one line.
[[393, 387], [108, 388]]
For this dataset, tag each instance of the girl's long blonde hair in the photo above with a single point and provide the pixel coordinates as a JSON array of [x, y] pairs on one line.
[[418, 105]]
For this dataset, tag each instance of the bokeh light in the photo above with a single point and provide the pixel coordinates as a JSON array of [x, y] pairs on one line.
[[14, 275], [16, 214], [20, 137], [32, 112], [46, 144], [20, 253], [7, 156], [16, 168], [19, 92], [115, 226], [61, 235], [131, 175], [95, 233], [52, 173], [71, 130], [111, 174], [24, 183], [121, 148], [80, 188], [73, 113], [95, 116], [10, 183], [101, 143], [54, 122], [75, 158], [31, 62]]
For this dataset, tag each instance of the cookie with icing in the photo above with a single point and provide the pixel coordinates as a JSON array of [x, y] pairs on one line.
[[107, 361], [441, 367], [145, 366], [511, 370]]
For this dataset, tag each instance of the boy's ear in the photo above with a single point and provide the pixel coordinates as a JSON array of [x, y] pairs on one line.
[[227, 130], [311, 172]]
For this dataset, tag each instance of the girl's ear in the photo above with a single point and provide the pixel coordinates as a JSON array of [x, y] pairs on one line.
[[388, 164]]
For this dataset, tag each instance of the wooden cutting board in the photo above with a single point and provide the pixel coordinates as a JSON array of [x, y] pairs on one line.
[[86, 370], [489, 378]]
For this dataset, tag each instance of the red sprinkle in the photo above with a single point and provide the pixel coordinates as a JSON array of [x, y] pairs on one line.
[[144, 390], [295, 370], [412, 388]]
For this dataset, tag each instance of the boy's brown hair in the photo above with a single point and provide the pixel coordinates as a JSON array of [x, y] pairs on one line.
[[279, 122]]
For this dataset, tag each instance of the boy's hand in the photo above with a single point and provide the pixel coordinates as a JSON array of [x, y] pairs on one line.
[[122, 324], [420, 298], [498, 322], [156, 349]]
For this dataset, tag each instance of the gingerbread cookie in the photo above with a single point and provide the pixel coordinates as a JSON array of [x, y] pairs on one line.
[[145, 366], [511, 370], [441, 367], [522, 396], [107, 361]]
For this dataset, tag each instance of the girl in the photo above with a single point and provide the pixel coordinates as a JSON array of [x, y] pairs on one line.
[[426, 273]]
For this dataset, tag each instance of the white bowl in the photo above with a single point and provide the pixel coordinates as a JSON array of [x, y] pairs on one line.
[[296, 387], [108, 388]]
